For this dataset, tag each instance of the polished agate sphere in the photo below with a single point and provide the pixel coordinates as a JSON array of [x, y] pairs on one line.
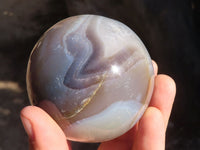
[[93, 75]]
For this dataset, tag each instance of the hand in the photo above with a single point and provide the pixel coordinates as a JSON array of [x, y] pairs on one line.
[[147, 134]]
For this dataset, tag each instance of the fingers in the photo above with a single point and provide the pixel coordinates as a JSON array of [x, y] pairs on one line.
[[151, 131], [43, 132], [152, 126], [115, 145], [155, 67], [163, 95], [123, 142]]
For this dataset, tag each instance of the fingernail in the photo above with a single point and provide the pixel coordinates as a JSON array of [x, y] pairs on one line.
[[27, 126]]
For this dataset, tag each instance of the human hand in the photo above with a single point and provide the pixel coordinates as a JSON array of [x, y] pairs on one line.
[[147, 134]]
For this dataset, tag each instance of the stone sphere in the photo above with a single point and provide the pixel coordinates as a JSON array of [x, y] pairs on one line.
[[92, 75]]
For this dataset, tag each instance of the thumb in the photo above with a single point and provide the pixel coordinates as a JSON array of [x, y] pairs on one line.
[[43, 132]]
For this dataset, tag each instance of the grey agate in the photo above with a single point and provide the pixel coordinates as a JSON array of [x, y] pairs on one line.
[[93, 75]]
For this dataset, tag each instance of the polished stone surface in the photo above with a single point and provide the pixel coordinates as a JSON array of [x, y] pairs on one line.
[[169, 29], [93, 75]]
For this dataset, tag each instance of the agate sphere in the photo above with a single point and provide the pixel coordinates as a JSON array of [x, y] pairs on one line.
[[93, 75]]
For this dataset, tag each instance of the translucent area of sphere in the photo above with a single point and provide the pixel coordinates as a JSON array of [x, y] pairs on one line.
[[93, 75]]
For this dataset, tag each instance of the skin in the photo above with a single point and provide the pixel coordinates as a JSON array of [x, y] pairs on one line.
[[147, 134]]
